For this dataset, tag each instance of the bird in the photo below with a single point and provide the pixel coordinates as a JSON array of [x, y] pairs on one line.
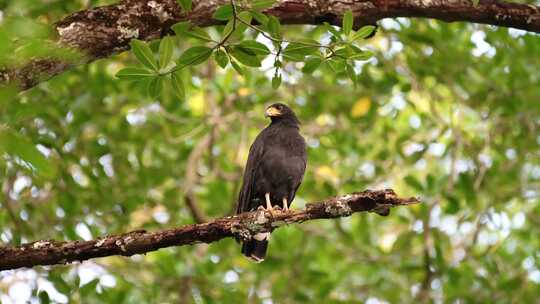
[[274, 170]]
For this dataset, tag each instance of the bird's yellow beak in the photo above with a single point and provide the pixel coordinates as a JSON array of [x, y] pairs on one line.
[[271, 112]]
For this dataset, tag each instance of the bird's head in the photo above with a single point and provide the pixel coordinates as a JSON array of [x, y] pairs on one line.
[[279, 112]]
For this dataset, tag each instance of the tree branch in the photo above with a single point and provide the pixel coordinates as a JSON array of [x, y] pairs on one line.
[[103, 31], [49, 252]]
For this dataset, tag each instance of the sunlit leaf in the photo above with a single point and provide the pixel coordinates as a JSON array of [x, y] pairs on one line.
[[178, 85], [361, 107], [363, 32], [134, 73], [166, 48], [144, 54], [361, 55], [347, 22], [155, 86], [195, 55]]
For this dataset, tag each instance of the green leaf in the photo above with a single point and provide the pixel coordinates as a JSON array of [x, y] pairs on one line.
[[237, 67], [453, 206], [198, 33], [363, 32], [154, 87], [262, 4], [195, 55], [254, 47], [89, 288], [60, 284], [246, 17], [414, 182], [260, 17], [276, 81], [296, 51], [185, 4], [14, 144], [186, 29], [347, 22], [44, 297], [336, 64], [221, 58], [240, 26], [178, 85], [228, 28], [361, 56], [224, 12], [245, 58], [166, 48], [333, 31], [307, 47], [311, 64], [181, 28], [274, 27], [475, 2], [144, 54], [344, 52], [351, 72], [134, 73]]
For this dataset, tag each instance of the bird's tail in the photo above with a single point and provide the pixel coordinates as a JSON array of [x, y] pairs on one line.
[[255, 249]]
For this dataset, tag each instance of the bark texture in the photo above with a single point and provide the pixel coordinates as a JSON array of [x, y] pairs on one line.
[[49, 252], [103, 31]]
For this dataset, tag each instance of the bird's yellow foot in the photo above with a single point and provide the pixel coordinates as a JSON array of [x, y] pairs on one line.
[[285, 205], [269, 206]]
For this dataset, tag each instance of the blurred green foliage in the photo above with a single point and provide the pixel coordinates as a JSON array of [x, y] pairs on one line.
[[448, 112]]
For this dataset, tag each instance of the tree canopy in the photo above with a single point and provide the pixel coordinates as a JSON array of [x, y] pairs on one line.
[[157, 138]]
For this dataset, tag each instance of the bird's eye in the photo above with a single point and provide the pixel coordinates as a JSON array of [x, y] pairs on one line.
[[279, 107]]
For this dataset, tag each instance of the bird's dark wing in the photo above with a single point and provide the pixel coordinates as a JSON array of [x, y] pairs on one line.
[[302, 163], [254, 160]]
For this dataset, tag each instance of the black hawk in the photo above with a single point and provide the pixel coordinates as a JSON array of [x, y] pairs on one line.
[[274, 171]]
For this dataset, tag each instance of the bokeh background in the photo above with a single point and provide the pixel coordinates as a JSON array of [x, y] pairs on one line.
[[446, 112]]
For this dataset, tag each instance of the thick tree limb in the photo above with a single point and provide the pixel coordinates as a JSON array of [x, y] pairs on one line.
[[242, 226], [104, 31]]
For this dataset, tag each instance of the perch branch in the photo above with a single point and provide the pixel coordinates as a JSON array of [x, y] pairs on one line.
[[49, 252]]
